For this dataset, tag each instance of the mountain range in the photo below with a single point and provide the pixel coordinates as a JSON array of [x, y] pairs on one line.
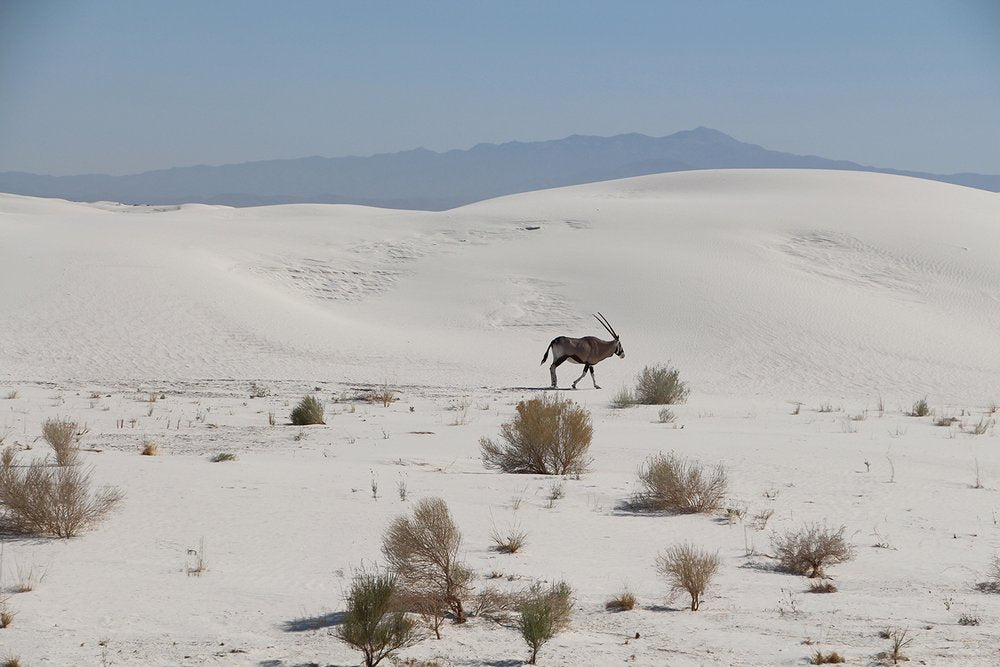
[[428, 180]]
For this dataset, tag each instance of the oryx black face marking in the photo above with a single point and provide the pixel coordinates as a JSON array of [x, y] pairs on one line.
[[587, 351]]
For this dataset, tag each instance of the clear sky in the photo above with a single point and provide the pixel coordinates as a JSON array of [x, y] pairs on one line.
[[125, 86]]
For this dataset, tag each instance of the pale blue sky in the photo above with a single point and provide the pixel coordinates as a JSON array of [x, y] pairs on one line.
[[126, 86]]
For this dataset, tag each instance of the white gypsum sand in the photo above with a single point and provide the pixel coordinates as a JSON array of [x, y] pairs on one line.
[[764, 288]]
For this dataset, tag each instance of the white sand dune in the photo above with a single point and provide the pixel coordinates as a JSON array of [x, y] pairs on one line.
[[796, 282], [762, 287]]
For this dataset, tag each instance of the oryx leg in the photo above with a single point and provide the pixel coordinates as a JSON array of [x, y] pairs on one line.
[[552, 369], [593, 378], [586, 367]]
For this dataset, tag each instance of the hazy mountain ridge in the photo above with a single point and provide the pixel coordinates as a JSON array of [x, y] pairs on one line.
[[424, 179]]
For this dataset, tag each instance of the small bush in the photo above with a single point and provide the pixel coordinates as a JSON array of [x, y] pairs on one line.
[[677, 484], [667, 416], [687, 568], [150, 448], [969, 619], [308, 411], [810, 549], [371, 625], [625, 398], [920, 408], [223, 457], [831, 658], [494, 604], [660, 385], [543, 614], [6, 616], [384, 395], [624, 601], [548, 436], [61, 436], [38, 499], [423, 552]]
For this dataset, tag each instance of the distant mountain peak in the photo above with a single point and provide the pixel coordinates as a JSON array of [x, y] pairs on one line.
[[423, 179]]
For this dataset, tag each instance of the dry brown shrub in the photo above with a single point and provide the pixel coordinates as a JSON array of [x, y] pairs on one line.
[[677, 484], [150, 448], [423, 552], [811, 548], [547, 436], [494, 604], [688, 568], [61, 434], [40, 499], [825, 586], [659, 385]]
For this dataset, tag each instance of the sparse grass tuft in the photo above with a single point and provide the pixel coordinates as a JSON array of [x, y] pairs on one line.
[[548, 436], [920, 408], [688, 568], [810, 549], [624, 601], [625, 398], [11, 395], [258, 390], [831, 658], [150, 448], [308, 411], [969, 619], [384, 395], [660, 385], [509, 542], [676, 484], [825, 586], [223, 457], [667, 416]]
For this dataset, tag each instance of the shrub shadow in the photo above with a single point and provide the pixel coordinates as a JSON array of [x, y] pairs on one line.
[[310, 623]]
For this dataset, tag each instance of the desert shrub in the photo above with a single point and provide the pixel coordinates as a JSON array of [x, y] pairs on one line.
[[667, 416], [150, 448], [831, 658], [624, 601], [384, 395], [920, 408], [543, 614], [423, 552], [6, 615], [660, 385], [625, 398], [899, 639], [223, 457], [677, 484], [61, 436], [547, 436], [810, 549], [688, 568], [39, 499], [371, 623], [308, 411], [969, 619]]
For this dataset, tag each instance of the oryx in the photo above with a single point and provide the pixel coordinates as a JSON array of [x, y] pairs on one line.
[[587, 351]]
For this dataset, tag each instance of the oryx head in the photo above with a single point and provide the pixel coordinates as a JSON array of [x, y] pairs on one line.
[[619, 350]]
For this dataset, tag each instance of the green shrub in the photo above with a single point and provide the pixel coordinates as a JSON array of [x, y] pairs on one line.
[[660, 385], [371, 625], [61, 434], [543, 614], [920, 408], [548, 436], [308, 411]]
